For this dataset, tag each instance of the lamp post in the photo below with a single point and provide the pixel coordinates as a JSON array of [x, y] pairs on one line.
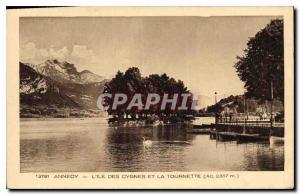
[[216, 119], [271, 117]]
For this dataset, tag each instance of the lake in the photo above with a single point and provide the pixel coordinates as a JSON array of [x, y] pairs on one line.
[[90, 145]]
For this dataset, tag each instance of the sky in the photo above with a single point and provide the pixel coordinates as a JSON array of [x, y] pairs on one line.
[[201, 51]]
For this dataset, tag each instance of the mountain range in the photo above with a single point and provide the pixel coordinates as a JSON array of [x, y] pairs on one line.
[[56, 88]]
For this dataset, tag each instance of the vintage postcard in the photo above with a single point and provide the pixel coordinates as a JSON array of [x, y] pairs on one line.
[[150, 98]]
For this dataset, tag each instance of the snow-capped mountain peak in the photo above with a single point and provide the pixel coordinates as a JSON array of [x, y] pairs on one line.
[[65, 72]]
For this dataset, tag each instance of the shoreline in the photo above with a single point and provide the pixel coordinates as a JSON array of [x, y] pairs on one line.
[[61, 119], [129, 124]]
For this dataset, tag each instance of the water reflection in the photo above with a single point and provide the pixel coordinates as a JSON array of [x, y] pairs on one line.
[[90, 145], [262, 157], [125, 148]]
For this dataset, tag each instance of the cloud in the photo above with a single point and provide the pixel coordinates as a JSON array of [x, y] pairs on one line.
[[30, 53], [60, 54], [44, 53], [80, 55], [81, 51]]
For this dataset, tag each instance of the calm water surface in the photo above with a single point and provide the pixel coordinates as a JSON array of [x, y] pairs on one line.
[[90, 145]]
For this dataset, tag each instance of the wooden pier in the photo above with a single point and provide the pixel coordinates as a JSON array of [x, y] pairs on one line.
[[240, 131], [199, 131], [240, 138], [204, 126], [261, 129]]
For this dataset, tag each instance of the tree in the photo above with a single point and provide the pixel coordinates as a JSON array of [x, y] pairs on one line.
[[134, 84], [262, 64], [116, 85], [131, 82]]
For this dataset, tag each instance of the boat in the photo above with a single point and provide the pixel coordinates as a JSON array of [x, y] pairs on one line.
[[226, 136], [274, 140], [199, 131], [244, 138]]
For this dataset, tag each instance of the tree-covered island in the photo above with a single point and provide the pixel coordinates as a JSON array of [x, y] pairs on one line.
[[131, 83]]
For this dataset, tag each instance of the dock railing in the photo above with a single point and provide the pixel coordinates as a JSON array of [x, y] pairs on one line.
[[248, 123]]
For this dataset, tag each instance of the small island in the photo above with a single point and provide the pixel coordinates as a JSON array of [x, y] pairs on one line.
[[159, 112]]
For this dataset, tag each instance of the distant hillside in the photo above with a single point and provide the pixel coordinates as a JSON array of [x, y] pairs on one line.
[[57, 86], [252, 105], [87, 76]]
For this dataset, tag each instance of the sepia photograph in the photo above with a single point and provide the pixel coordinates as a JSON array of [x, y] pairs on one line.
[[153, 93]]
